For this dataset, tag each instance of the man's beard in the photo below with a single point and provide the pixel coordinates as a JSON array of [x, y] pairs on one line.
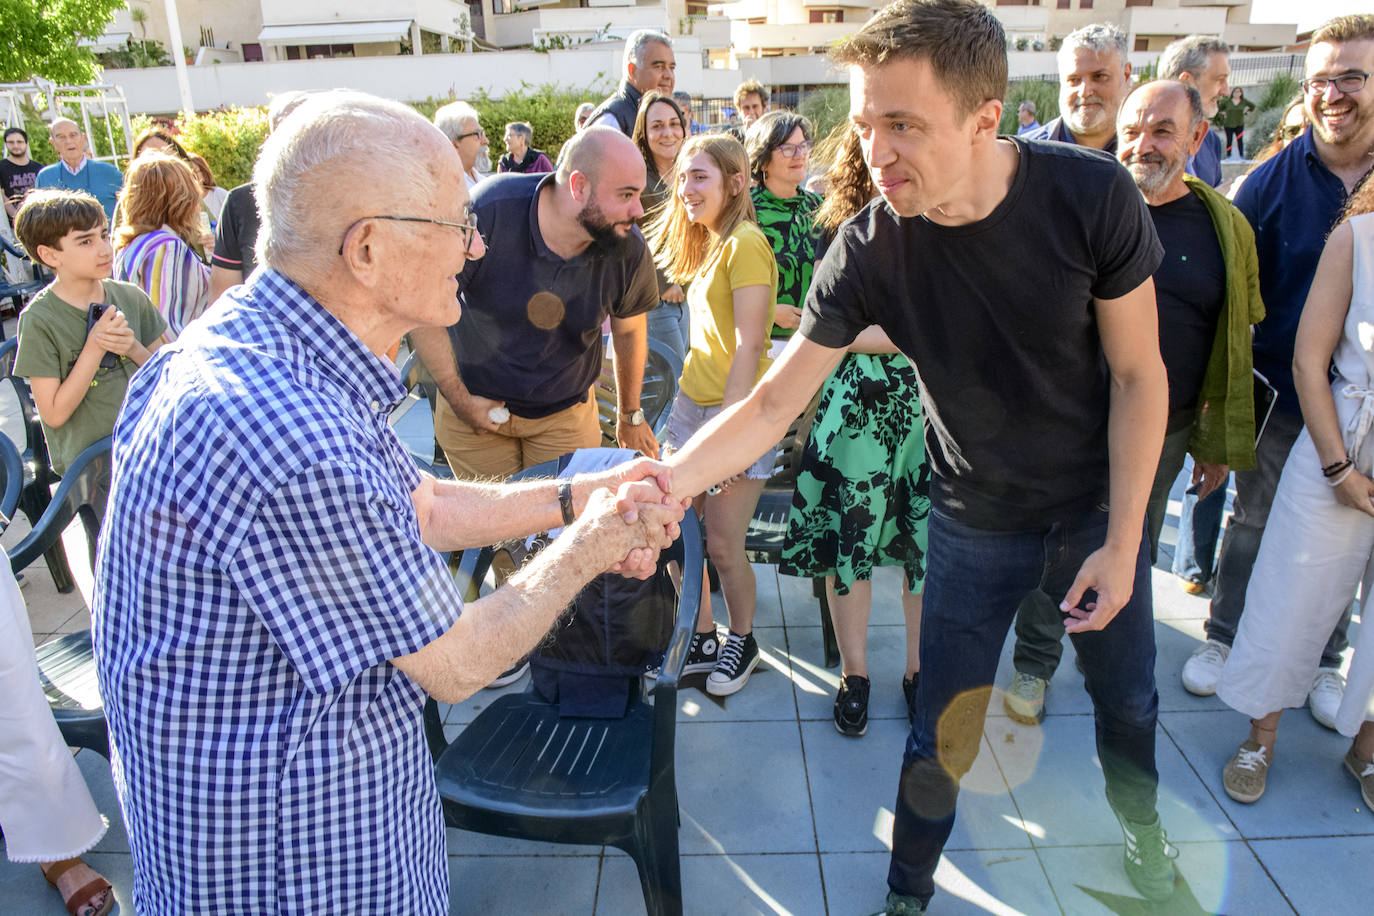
[[1084, 118], [1159, 177], [606, 241], [483, 163]]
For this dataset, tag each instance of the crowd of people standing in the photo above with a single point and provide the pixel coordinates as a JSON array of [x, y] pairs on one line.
[[1008, 444]]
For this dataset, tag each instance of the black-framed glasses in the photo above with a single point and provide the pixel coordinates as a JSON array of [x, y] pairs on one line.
[[468, 230], [1347, 83], [479, 132], [793, 150]]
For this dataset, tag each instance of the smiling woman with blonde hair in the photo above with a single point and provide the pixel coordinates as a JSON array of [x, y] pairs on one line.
[[158, 224]]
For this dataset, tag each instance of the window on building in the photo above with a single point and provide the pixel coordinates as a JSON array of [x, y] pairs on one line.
[[1142, 43], [1140, 2], [1015, 3], [827, 15], [252, 52], [1085, 4], [1061, 4], [696, 8], [758, 20]]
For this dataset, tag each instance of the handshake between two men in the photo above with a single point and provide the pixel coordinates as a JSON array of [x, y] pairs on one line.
[[622, 519]]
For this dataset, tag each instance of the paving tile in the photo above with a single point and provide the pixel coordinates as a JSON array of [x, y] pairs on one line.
[[854, 789], [1322, 874], [1308, 793], [1056, 781], [742, 788], [969, 882], [482, 885], [1214, 878], [816, 684], [729, 885]]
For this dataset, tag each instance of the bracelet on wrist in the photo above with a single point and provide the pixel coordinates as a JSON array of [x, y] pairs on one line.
[[1344, 474], [1332, 470], [565, 501]]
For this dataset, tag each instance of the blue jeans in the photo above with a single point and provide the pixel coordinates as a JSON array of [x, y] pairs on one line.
[[974, 581], [667, 324], [1199, 524]]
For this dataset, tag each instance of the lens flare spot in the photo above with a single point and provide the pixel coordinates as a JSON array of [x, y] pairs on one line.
[[545, 310]]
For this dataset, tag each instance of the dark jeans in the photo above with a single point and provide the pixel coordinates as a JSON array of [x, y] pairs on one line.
[[667, 323], [974, 581], [1239, 547], [1039, 625], [1199, 525], [1238, 133]]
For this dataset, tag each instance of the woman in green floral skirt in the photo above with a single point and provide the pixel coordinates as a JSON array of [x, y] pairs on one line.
[[862, 497]]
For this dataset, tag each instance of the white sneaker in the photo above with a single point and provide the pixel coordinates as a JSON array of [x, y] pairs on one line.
[[1203, 670], [1324, 699]]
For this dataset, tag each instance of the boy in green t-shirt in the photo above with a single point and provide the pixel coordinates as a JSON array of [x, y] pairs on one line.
[[79, 370]]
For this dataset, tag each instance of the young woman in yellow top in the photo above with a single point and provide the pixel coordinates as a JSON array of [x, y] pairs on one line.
[[709, 236]]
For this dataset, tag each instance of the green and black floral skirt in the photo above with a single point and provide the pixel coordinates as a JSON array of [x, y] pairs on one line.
[[863, 492]]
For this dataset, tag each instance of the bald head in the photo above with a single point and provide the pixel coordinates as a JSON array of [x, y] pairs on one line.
[[599, 151], [389, 157]]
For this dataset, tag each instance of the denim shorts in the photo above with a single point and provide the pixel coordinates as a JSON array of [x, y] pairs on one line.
[[688, 416]]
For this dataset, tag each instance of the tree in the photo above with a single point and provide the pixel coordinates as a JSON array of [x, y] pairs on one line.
[[43, 38]]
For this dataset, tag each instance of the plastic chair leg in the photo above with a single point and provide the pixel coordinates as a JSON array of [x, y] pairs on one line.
[[832, 648], [656, 857], [33, 501]]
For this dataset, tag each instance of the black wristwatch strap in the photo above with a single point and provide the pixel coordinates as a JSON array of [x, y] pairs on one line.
[[565, 501]]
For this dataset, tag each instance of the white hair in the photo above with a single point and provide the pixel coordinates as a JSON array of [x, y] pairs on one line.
[[636, 43], [1190, 55], [1097, 37], [64, 120], [453, 118], [336, 140]]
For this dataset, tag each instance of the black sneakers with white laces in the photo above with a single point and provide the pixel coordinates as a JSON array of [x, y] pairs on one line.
[[739, 656]]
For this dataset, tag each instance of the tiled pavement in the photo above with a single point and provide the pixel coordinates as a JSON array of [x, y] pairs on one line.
[[782, 815]]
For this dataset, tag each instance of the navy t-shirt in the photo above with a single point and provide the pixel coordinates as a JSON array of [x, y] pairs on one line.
[[530, 332], [236, 236], [998, 318], [1190, 287]]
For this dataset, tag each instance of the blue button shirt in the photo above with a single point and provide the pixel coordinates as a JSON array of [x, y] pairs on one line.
[[1292, 202], [530, 334], [260, 562], [1206, 163]]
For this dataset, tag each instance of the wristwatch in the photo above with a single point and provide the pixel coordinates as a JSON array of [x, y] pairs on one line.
[[634, 417]]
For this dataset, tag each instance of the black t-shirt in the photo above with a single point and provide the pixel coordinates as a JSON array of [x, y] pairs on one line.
[[530, 332], [1190, 286], [18, 180], [236, 237], [999, 321]]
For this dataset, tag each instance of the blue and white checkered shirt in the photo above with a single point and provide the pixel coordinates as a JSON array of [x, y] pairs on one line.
[[261, 561]]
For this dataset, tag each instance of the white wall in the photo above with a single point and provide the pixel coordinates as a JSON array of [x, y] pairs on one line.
[[404, 78]]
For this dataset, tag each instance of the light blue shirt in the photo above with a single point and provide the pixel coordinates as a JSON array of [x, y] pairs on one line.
[[99, 179]]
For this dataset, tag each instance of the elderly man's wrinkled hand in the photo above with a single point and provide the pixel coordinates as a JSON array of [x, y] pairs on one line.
[[648, 470], [632, 546]]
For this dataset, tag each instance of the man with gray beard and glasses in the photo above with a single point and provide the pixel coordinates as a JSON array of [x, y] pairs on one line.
[[1207, 291]]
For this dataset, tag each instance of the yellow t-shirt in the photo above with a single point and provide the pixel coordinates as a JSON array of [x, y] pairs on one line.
[[746, 259]]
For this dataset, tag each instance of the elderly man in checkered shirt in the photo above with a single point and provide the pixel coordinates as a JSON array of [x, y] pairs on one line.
[[271, 607]]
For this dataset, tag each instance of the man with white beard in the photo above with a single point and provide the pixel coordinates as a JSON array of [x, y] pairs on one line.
[[1094, 76], [1207, 293]]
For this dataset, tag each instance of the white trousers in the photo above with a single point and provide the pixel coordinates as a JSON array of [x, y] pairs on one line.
[[45, 808], [1314, 555]]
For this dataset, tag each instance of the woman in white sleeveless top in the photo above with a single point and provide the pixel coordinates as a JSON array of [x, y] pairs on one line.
[[1319, 545]]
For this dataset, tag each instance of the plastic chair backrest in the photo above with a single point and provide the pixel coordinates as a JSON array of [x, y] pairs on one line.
[[88, 471], [662, 369], [12, 467]]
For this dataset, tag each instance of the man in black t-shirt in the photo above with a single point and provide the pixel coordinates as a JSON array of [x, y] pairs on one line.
[[18, 172], [1046, 404], [1208, 297]]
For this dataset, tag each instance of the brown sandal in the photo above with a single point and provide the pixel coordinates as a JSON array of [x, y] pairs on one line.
[[81, 898]]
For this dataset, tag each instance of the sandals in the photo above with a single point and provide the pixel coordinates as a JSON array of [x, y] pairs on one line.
[[78, 901]]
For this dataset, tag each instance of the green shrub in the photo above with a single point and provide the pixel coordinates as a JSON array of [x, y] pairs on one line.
[[1278, 92], [229, 140], [548, 109], [825, 109], [1044, 95]]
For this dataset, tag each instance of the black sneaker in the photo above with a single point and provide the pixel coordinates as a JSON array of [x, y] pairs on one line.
[[909, 685], [702, 654], [738, 658], [851, 706], [511, 674]]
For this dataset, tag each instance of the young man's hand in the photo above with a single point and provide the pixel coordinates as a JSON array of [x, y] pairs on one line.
[[113, 334]]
